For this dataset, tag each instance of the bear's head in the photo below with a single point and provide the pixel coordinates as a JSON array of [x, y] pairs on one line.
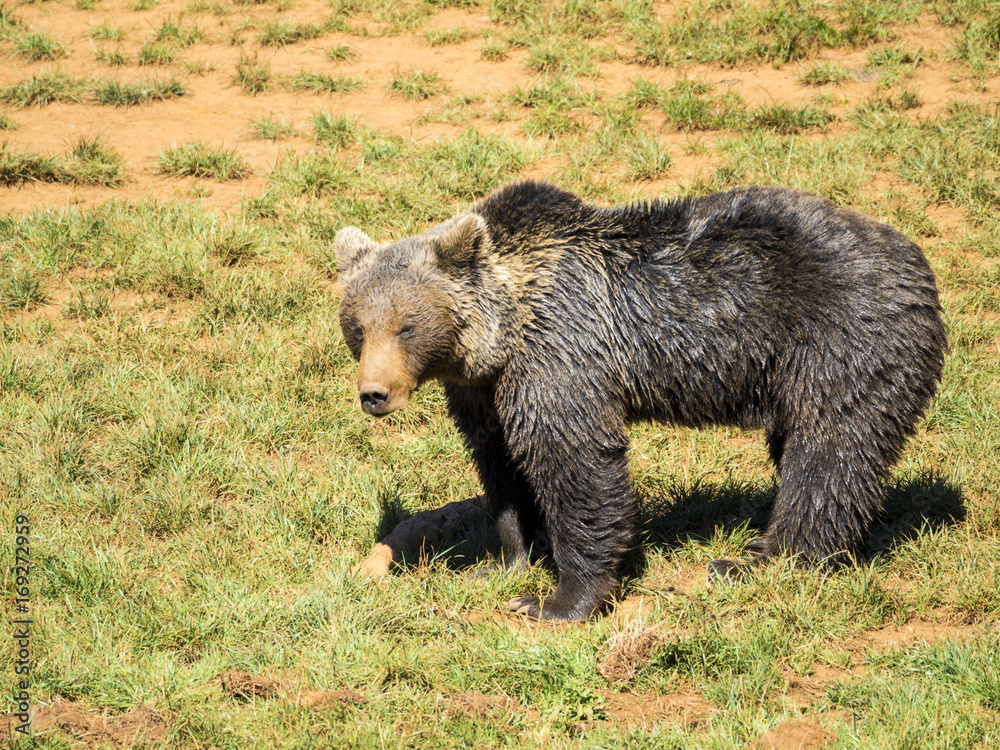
[[402, 309]]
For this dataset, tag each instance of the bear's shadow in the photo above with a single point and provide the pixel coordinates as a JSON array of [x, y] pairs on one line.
[[676, 514]]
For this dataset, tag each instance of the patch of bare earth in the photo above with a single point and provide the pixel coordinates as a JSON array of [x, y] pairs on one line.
[[795, 735], [326, 699], [141, 726], [802, 692], [645, 711], [918, 630], [482, 705]]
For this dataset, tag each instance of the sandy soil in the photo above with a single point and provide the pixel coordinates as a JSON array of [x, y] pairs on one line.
[[218, 112]]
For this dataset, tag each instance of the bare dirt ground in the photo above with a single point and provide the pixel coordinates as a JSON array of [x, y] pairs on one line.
[[218, 112]]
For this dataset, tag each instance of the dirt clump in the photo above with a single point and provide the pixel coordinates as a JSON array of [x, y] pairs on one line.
[[244, 686], [481, 705], [627, 709], [141, 725], [626, 652], [795, 735], [341, 698]]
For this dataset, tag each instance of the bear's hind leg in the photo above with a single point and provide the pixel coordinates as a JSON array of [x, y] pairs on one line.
[[828, 496]]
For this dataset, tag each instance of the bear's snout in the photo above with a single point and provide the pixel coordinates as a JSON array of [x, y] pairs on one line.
[[384, 379], [374, 399]]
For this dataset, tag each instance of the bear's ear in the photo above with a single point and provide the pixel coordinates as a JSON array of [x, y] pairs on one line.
[[351, 245], [456, 246]]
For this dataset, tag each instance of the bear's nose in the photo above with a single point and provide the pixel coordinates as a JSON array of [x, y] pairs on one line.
[[373, 399]]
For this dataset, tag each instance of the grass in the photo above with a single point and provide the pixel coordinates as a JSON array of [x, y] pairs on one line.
[[252, 75], [416, 84], [115, 59], [18, 167], [89, 162], [272, 127], [107, 32], [116, 94], [282, 32], [20, 289], [332, 129], [45, 87], [691, 104], [201, 160], [179, 410], [37, 46], [320, 83], [156, 53], [494, 50], [178, 33], [824, 74], [647, 159], [441, 37], [562, 58], [341, 53]]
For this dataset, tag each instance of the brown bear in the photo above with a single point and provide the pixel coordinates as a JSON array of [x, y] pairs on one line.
[[554, 323]]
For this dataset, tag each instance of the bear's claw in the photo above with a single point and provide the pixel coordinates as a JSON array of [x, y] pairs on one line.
[[526, 605]]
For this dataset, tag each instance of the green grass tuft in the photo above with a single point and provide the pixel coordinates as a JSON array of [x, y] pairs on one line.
[[416, 84], [18, 167], [156, 53], [116, 94], [116, 59], [494, 50], [272, 128], [36, 47], [201, 160], [341, 53], [782, 118], [104, 31], [179, 34], [45, 87], [251, 75], [281, 32], [333, 130], [19, 288], [823, 74], [441, 37], [320, 83], [646, 158], [92, 163]]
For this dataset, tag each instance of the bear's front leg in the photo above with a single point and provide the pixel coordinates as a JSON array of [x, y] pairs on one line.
[[577, 466], [517, 517]]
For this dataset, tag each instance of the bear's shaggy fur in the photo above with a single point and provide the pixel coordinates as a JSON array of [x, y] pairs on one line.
[[554, 323]]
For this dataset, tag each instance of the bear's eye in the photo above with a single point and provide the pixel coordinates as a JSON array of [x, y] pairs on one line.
[[358, 334], [406, 331]]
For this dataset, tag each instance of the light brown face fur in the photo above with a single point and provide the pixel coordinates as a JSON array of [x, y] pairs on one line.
[[402, 332], [385, 378], [403, 306]]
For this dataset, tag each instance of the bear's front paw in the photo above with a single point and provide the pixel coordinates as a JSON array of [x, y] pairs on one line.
[[548, 608], [526, 605]]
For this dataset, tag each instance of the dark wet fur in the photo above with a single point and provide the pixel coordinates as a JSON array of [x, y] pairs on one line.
[[759, 307]]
